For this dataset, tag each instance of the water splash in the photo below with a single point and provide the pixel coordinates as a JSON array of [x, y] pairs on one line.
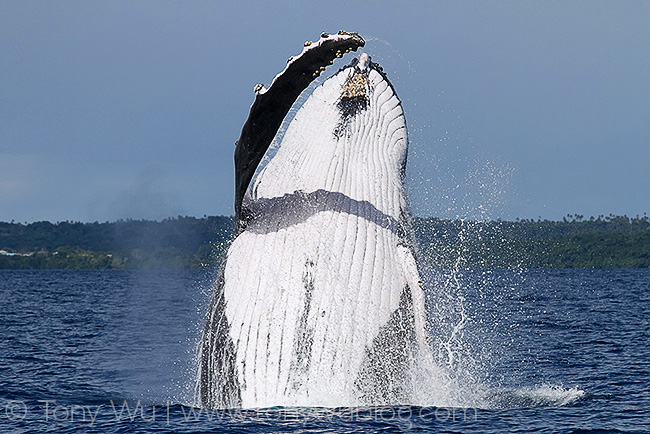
[[472, 325], [473, 335], [544, 395]]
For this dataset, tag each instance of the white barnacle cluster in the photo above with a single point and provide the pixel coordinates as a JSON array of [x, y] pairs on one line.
[[355, 86], [364, 61]]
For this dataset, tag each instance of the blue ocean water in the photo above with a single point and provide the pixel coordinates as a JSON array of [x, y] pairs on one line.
[[528, 351]]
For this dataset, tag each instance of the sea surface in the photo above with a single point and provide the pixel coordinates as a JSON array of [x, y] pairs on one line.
[[522, 351]]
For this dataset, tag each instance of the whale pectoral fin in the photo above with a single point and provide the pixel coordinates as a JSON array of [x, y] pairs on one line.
[[272, 105]]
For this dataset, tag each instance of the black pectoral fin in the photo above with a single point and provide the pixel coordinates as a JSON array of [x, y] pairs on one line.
[[272, 105]]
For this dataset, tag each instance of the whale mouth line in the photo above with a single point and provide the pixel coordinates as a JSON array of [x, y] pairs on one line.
[[305, 205]]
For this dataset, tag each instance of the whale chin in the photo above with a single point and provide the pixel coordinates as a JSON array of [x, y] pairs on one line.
[[319, 301]]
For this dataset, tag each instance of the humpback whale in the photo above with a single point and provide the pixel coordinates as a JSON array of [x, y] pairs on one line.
[[319, 300]]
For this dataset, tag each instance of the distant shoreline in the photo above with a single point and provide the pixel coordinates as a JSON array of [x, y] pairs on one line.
[[189, 242]]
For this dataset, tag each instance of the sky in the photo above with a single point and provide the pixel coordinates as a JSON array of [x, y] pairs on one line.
[[516, 109]]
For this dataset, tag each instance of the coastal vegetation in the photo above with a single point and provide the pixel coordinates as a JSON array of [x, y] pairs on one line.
[[181, 242], [598, 242], [189, 242]]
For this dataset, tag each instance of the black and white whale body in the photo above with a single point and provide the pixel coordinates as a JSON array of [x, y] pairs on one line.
[[319, 301]]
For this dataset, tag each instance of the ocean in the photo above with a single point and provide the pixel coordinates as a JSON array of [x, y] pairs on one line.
[[541, 350]]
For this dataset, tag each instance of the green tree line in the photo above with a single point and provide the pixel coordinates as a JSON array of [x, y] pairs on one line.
[[189, 242], [598, 242], [180, 242]]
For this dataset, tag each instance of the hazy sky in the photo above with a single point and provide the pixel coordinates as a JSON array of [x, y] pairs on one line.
[[131, 109]]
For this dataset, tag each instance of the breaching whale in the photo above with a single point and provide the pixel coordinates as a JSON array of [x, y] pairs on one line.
[[319, 301]]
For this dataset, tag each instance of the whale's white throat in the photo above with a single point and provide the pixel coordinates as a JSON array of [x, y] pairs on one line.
[[319, 302]]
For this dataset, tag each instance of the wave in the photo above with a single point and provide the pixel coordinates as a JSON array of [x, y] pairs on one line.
[[544, 395]]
